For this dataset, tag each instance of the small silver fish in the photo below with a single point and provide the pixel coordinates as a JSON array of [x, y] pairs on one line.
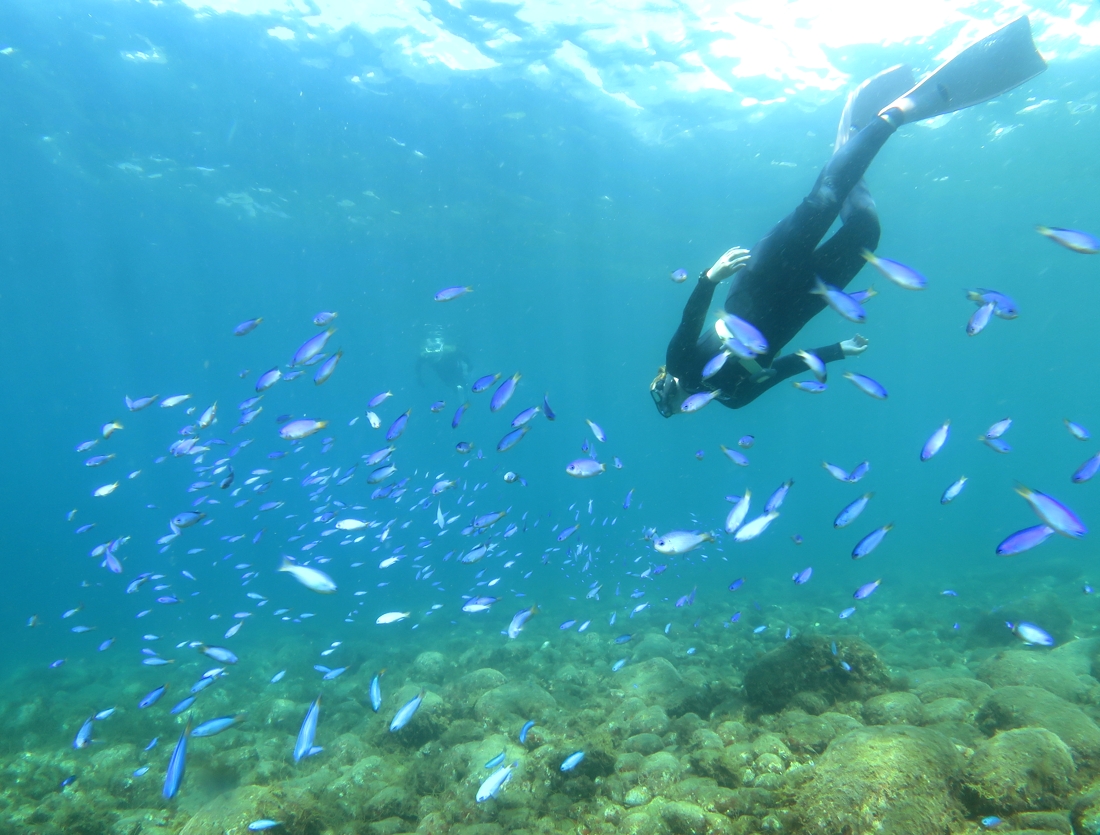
[[870, 542], [675, 543], [303, 745], [733, 455], [840, 301], [597, 431], [519, 620], [405, 714], [296, 430], [979, 319], [901, 275], [177, 764], [247, 326], [811, 386], [935, 443], [815, 364], [311, 347], [1029, 633], [1076, 430], [867, 385], [951, 492], [1072, 239], [585, 468], [1053, 513], [451, 293], [695, 402], [850, 513], [751, 530], [495, 782], [326, 368]]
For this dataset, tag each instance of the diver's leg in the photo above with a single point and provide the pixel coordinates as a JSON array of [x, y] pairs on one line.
[[791, 242], [839, 178], [837, 261]]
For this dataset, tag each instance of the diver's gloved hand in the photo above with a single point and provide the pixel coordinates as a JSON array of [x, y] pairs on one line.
[[856, 345], [732, 261]]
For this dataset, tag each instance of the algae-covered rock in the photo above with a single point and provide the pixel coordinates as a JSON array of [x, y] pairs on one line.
[[1020, 770], [683, 818], [1031, 669], [654, 645], [807, 664], [659, 771], [1085, 814], [430, 666], [770, 743], [233, 811], [467, 689], [656, 681], [650, 720], [886, 780], [1047, 822], [391, 802], [805, 733], [893, 709], [514, 702], [946, 710], [970, 689], [644, 744], [841, 723], [1022, 707], [641, 822]]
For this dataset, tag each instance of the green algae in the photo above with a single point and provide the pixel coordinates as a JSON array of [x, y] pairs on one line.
[[674, 743]]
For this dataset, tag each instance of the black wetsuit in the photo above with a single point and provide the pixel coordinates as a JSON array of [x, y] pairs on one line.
[[450, 364], [773, 291]]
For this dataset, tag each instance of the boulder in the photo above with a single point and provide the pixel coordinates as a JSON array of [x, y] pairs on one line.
[[1033, 669], [1034, 707], [885, 780], [1026, 769], [893, 709], [807, 665]]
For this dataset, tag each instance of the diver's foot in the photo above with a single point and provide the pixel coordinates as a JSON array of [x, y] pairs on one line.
[[871, 98]]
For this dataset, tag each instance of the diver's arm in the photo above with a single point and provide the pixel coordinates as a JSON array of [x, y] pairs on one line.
[[784, 367], [731, 261], [681, 348]]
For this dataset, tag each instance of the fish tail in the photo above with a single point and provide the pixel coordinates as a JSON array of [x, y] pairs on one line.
[[868, 256], [286, 564]]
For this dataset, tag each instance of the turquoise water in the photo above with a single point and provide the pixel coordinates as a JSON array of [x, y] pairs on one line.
[[150, 204]]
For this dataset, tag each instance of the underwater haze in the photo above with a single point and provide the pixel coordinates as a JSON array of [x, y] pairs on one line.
[[330, 329]]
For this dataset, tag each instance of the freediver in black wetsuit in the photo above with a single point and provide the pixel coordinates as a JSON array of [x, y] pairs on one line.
[[447, 362], [773, 288]]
